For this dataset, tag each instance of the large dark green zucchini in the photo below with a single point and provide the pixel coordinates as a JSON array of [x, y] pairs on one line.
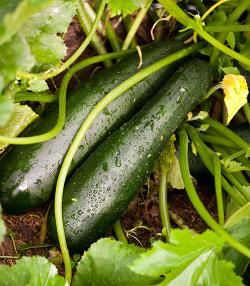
[[28, 173], [102, 187]]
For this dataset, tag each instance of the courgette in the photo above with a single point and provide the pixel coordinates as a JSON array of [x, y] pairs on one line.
[[102, 187], [29, 172]]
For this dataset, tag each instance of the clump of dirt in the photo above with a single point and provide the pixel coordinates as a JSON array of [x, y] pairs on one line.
[[142, 219]]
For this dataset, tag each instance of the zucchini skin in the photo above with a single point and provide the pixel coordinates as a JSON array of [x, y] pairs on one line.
[[103, 186], [29, 172]]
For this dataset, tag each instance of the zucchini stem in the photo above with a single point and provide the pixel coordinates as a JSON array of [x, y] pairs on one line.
[[218, 189], [62, 101], [174, 10], [163, 202], [196, 202], [226, 132], [33, 96], [134, 27], [86, 24], [119, 232], [205, 155]]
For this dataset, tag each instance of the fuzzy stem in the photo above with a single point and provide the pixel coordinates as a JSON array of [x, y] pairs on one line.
[[119, 232], [196, 202], [135, 25], [86, 24]]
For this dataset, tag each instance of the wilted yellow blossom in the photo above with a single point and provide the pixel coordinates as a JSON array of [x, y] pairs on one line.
[[236, 91]]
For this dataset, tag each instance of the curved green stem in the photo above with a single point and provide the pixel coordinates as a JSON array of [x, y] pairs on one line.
[[233, 17], [205, 156], [135, 25], [218, 189], [246, 109], [74, 57], [227, 28], [174, 10], [163, 202], [62, 101], [86, 24], [217, 140], [99, 107], [113, 38], [226, 132], [196, 202], [119, 232], [33, 96]]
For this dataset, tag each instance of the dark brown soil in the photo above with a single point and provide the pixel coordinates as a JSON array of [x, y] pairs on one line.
[[141, 221]]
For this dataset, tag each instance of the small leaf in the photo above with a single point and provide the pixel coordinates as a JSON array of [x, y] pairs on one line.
[[241, 232], [6, 108], [174, 175], [230, 70], [200, 116], [233, 166], [125, 8], [231, 40], [203, 127], [36, 85], [21, 117], [238, 216]]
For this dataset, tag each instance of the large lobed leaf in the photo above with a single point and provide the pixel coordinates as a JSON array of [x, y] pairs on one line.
[[31, 271], [188, 260], [106, 263]]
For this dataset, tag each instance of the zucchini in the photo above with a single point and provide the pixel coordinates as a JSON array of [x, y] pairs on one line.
[[29, 172], [102, 187]]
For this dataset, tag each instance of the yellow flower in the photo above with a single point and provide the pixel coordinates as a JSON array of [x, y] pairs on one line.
[[235, 94]]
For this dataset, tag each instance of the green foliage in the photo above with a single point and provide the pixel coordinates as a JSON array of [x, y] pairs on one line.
[[30, 271], [21, 117], [241, 232], [127, 7], [107, 263], [6, 107], [188, 260]]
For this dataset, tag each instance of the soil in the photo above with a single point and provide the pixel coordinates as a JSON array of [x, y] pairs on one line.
[[141, 221]]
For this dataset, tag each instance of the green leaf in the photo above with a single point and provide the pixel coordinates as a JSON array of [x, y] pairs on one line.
[[21, 117], [41, 32], [189, 259], [6, 108], [230, 70], [238, 216], [231, 40], [34, 40], [241, 232], [30, 271], [36, 85], [174, 175], [15, 55], [14, 13], [233, 166], [127, 7], [106, 263]]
